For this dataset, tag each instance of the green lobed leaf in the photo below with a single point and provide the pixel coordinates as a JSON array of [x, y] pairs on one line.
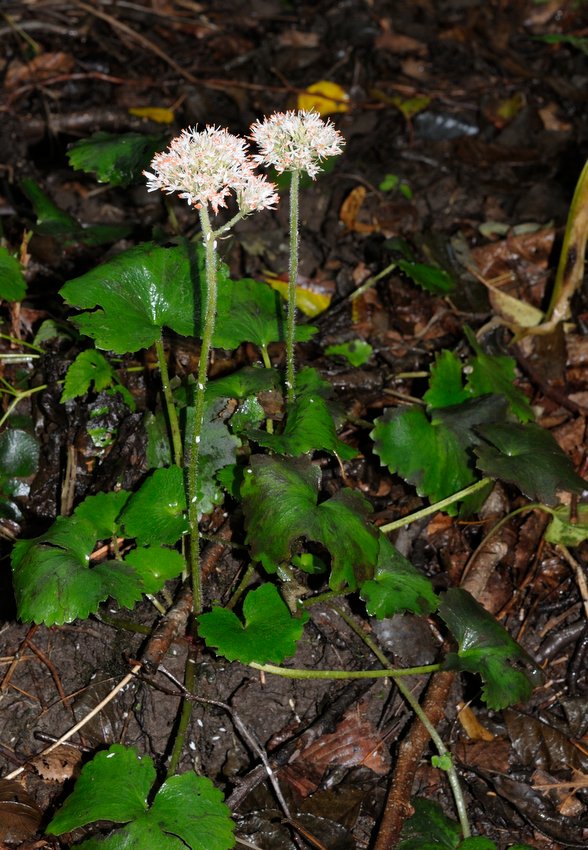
[[156, 513], [55, 581], [113, 786], [529, 457], [430, 278], [155, 288], [496, 374], [309, 427], [187, 811], [89, 367], [151, 287], [53, 221], [269, 635], [13, 286], [432, 452], [250, 311], [118, 159], [244, 383], [445, 384], [155, 565], [357, 351], [429, 828], [397, 586], [218, 449], [280, 498], [486, 648]]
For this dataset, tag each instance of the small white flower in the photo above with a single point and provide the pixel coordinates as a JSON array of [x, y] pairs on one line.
[[205, 167], [257, 193], [296, 141]]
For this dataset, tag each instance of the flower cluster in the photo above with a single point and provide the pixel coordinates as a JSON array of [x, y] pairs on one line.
[[206, 166], [296, 141]]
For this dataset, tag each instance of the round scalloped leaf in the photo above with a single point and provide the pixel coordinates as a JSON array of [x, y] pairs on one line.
[[155, 514], [114, 786], [187, 811], [19, 453], [486, 648], [250, 311], [131, 297], [270, 632], [102, 511], [54, 582], [13, 285], [118, 159], [155, 565]]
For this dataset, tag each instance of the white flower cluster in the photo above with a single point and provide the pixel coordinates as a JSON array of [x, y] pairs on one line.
[[296, 141], [206, 166]]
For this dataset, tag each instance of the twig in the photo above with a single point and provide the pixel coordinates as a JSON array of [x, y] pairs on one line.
[[80, 725]]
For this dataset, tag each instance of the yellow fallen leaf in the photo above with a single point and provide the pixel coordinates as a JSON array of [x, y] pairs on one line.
[[311, 299], [324, 97], [154, 113]]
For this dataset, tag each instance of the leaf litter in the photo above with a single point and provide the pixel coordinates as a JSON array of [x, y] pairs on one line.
[[502, 165]]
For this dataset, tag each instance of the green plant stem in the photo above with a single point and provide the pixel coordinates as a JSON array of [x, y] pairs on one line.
[[437, 506], [299, 673], [268, 365], [185, 714], [241, 587], [172, 415], [416, 707], [293, 277], [372, 281], [18, 397], [193, 449]]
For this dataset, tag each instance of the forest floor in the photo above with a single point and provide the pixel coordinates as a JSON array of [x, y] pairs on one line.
[[465, 133]]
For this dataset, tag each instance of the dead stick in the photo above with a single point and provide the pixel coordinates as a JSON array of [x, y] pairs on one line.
[[398, 806]]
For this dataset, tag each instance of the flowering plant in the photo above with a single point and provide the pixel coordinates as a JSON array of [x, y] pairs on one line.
[[295, 142]]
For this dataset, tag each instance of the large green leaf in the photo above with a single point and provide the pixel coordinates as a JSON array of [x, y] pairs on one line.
[[250, 311], [154, 288], [486, 648], [187, 811], [130, 298], [13, 285], [280, 498], [429, 828], [55, 581], [529, 457], [432, 452], [156, 513], [397, 586], [52, 221], [270, 632], [118, 159]]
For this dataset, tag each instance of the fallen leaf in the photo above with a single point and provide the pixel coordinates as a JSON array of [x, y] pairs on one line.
[[155, 113], [19, 815], [324, 97], [42, 67]]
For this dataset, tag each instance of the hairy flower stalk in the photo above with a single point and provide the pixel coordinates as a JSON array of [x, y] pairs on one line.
[[207, 168], [294, 142]]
